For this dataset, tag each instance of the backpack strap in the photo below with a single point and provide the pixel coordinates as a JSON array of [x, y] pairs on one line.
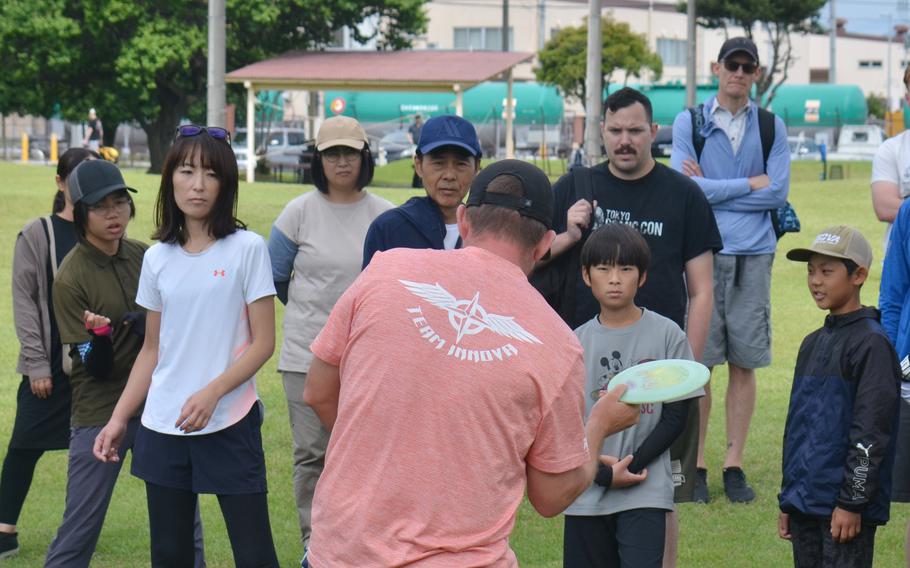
[[48, 226], [766, 129], [697, 114], [583, 182]]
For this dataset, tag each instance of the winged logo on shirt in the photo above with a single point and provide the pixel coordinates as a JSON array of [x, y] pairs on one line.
[[468, 317]]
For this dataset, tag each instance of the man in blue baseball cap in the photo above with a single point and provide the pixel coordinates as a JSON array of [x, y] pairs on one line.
[[447, 159]]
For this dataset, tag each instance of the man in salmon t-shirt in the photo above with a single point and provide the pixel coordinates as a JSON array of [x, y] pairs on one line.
[[450, 386]]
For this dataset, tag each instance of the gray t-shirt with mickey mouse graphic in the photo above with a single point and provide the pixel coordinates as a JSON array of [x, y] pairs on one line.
[[609, 351]]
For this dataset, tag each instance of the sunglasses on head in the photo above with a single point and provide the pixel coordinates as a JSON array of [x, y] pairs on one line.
[[733, 66], [216, 132]]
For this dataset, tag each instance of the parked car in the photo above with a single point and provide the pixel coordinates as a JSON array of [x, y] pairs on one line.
[[278, 146], [396, 146], [802, 149], [279, 164], [663, 142], [858, 142]]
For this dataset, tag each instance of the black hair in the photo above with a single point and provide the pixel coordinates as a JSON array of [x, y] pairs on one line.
[[850, 266], [616, 244], [65, 165], [626, 97], [213, 154], [367, 167], [457, 150], [80, 213]]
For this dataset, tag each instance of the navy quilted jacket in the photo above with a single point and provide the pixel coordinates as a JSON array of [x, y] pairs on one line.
[[842, 421]]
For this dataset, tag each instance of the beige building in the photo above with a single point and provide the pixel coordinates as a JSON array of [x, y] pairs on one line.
[[477, 24]]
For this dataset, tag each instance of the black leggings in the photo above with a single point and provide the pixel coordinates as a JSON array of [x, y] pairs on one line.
[[15, 481], [171, 519]]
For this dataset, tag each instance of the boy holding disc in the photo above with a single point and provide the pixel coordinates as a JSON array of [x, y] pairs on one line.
[[620, 519], [839, 436]]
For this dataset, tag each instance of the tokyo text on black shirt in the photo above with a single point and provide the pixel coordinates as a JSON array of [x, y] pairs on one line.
[[672, 214]]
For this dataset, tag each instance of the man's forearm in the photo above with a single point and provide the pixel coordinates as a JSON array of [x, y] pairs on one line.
[[699, 321]]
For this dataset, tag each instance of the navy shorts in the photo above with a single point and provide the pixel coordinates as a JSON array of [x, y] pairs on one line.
[[628, 539], [226, 462]]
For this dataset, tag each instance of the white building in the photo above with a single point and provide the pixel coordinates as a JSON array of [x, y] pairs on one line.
[[477, 24]]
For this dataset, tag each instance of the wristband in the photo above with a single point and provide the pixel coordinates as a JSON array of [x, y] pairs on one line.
[[104, 330]]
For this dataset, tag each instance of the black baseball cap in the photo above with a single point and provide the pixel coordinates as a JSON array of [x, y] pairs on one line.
[[537, 201], [93, 180], [738, 44]]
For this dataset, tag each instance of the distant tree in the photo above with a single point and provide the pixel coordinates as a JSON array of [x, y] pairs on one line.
[[779, 19], [563, 60], [877, 105], [145, 60]]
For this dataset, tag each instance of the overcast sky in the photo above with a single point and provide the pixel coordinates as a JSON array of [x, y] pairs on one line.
[[870, 16]]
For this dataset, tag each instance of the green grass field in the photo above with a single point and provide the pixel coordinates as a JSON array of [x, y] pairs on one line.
[[714, 535]]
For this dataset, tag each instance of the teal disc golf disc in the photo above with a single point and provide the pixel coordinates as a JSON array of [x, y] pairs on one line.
[[659, 381]]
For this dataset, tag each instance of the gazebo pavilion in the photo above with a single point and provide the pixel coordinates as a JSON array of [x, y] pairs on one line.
[[425, 70]]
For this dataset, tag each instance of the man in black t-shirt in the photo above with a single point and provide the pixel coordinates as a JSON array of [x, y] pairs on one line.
[[668, 208], [672, 214]]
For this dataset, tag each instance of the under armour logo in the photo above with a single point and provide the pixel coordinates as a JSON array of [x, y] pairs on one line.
[[865, 449], [218, 273], [467, 317]]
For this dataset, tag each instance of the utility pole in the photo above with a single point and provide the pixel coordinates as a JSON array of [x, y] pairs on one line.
[[505, 25], [215, 99], [509, 107], [690, 53], [832, 47], [541, 24], [593, 85]]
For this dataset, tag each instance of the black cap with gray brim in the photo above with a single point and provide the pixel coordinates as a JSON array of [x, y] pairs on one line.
[[537, 201], [93, 180]]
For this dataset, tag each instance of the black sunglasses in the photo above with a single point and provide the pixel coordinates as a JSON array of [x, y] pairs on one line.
[[733, 66], [216, 132]]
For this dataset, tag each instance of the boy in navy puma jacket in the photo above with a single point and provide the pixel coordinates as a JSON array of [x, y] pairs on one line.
[[839, 436]]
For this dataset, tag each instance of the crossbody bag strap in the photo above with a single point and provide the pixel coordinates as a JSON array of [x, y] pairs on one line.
[[51, 243]]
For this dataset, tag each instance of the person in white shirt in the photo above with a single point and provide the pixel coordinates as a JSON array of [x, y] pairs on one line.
[[891, 174], [890, 187], [207, 286]]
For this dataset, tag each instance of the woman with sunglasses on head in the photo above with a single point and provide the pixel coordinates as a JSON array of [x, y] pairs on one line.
[[316, 247], [207, 289], [43, 402]]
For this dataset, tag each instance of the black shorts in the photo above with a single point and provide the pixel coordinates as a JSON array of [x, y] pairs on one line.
[[226, 462], [900, 478], [42, 423], [628, 539]]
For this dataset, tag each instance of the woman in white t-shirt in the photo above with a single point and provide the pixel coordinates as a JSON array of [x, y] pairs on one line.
[[210, 326], [316, 247]]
